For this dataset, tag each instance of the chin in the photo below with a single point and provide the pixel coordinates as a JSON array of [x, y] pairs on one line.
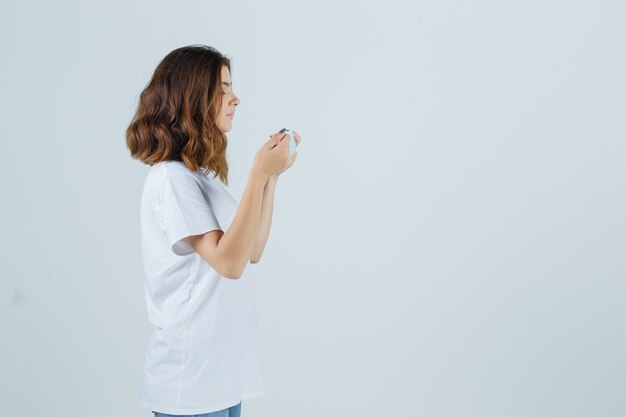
[[226, 127]]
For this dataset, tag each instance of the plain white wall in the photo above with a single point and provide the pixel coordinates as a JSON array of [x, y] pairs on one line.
[[450, 242]]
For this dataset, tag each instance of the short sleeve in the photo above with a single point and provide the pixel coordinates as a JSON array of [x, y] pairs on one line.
[[185, 211]]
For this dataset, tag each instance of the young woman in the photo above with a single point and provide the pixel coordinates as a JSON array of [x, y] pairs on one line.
[[204, 355]]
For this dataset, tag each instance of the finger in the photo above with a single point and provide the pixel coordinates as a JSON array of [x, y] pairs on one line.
[[278, 133], [297, 138], [283, 142], [280, 140], [276, 138]]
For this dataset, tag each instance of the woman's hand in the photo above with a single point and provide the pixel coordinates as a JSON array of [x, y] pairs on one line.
[[295, 154], [273, 157]]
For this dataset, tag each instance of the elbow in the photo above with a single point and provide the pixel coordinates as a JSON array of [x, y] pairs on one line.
[[229, 271], [231, 275], [255, 258], [237, 272], [234, 271]]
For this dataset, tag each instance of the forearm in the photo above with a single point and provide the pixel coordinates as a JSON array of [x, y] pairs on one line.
[[265, 222], [238, 242]]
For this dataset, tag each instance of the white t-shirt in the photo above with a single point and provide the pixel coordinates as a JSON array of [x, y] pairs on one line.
[[204, 355]]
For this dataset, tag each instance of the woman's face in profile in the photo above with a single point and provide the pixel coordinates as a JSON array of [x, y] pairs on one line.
[[229, 101]]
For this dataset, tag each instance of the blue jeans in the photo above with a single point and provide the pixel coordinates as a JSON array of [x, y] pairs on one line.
[[234, 411]]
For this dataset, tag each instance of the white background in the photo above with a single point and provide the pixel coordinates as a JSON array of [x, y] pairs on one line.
[[450, 242]]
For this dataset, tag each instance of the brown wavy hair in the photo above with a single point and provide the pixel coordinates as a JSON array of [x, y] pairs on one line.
[[177, 112]]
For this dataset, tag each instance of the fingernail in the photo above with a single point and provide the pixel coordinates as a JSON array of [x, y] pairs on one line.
[[282, 130]]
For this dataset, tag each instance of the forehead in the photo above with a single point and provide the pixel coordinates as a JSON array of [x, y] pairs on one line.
[[225, 74]]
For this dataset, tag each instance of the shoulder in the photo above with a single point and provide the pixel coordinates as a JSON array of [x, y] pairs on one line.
[[170, 178], [172, 167], [172, 171]]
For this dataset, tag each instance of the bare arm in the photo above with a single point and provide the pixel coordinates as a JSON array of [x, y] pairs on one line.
[[265, 224], [229, 252]]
